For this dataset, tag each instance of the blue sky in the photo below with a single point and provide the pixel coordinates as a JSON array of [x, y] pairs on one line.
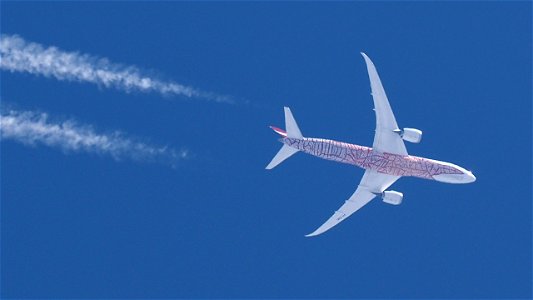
[[86, 223]]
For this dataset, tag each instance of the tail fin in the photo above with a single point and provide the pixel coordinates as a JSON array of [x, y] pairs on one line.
[[290, 125], [284, 153]]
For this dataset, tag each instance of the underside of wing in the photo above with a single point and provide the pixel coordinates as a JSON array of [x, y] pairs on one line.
[[377, 182], [386, 138], [372, 184]]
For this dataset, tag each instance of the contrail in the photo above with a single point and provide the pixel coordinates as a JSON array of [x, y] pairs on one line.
[[19, 55], [33, 128]]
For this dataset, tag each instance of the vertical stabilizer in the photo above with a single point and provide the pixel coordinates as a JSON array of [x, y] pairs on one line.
[[284, 153], [290, 125]]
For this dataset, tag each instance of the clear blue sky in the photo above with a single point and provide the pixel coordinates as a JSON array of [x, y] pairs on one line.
[[219, 225]]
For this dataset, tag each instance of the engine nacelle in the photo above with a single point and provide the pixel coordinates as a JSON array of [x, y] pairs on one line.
[[392, 197], [412, 135]]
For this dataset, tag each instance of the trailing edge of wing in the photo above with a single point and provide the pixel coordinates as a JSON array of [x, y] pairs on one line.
[[359, 199], [372, 184]]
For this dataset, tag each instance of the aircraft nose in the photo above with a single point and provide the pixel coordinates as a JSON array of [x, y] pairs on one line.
[[470, 177]]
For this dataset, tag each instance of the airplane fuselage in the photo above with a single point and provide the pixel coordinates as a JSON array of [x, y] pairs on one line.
[[387, 163]]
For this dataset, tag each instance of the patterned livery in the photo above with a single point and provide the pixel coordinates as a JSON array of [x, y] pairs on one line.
[[366, 158]]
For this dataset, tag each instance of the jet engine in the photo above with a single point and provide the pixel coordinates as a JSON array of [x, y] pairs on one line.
[[412, 135], [392, 197]]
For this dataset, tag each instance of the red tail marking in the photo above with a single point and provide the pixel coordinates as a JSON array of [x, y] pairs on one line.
[[279, 131]]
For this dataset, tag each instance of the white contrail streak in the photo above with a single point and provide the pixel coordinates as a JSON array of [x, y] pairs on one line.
[[18, 55], [32, 128]]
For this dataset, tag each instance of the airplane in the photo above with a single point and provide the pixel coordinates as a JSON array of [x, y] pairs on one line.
[[384, 163]]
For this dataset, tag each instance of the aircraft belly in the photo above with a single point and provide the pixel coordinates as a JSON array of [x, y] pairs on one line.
[[366, 158], [414, 166], [332, 150]]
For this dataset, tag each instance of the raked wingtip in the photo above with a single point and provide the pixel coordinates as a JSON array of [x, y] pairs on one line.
[[314, 233]]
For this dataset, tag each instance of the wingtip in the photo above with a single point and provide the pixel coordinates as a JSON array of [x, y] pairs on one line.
[[314, 233]]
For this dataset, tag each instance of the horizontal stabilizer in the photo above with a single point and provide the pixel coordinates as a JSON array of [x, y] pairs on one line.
[[284, 153], [290, 125]]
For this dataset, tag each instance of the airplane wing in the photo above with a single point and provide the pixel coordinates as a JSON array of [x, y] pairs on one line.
[[385, 139], [371, 184]]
